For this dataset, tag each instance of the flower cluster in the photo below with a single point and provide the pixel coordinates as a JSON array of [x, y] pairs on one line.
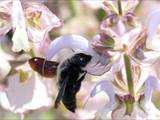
[[27, 25], [124, 48]]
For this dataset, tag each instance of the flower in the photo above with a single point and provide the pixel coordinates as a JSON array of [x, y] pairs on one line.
[[121, 49], [29, 21], [5, 66], [26, 91]]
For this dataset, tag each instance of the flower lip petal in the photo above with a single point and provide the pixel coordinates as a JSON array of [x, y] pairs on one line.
[[152, 23], [97, 69], [29, 91], [105, 86], [69, 41], [150, 84]]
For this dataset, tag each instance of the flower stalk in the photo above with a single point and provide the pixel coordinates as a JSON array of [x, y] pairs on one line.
[[129, 102], [119, 7]]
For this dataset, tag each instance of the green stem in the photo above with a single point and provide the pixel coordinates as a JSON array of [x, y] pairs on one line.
[[129, 102], [129, 74], [72, 6], [119, 7], [129, 108], [32, 53]]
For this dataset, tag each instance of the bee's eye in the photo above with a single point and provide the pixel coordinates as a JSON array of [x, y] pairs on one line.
[[81, 59]]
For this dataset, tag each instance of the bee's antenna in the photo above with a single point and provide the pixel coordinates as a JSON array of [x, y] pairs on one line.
[[73, 50]]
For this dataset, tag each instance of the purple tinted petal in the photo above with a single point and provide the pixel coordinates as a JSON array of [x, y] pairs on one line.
[[150, 84], [69, 41], [142, 79], [152, 24], [148, 89], [98, 69], [105, 86]]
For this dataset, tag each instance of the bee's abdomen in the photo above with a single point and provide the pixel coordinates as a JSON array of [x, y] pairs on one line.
[[69, 101]]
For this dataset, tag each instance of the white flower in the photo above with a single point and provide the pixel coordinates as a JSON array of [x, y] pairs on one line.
[[29, 21], [21, 97]]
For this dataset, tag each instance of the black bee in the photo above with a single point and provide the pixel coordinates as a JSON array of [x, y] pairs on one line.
[[70, 75]]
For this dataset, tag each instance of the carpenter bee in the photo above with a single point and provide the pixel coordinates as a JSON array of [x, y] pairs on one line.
[[44, 67], [70, 75]]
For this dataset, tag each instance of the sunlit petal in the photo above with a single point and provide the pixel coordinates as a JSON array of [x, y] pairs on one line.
[[20, 40], [17, 14], [20, 37]]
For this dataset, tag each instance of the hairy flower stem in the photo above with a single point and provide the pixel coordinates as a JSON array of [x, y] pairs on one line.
[[119, 7], [129, 104]]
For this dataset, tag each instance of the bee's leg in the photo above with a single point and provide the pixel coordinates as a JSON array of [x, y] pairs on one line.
[[82, 77], [77, 85]]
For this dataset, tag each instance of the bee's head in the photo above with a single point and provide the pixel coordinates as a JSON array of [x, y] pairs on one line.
[[81, 59]]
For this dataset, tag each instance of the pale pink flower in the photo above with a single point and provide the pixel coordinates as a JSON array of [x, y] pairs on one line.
[[29, 21], [26, 91]]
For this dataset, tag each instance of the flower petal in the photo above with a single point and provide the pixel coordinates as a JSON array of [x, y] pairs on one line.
[[129, 5], [17, 14], [99, 68], [69, 41], [20, 40], [20, 37], [21, 97], [110, 6], [142, 79], [40, 20], [153, 22], [105, 86], [5, 16], [150, 84], [4, 68]]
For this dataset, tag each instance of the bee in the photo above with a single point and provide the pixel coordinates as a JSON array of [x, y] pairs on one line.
[[69, 74], [43, 67]]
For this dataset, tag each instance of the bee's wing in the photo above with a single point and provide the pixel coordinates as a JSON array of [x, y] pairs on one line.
[[43, 67], [61, 92]]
